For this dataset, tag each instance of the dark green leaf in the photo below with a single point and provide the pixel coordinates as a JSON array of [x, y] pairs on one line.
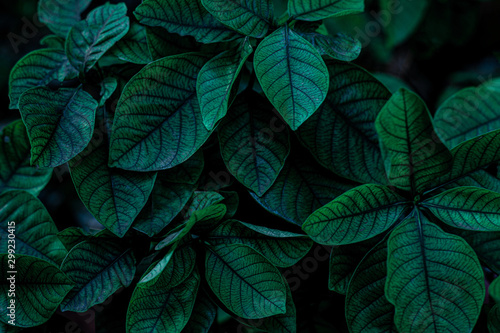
[[61, 15], [163, 44], [315, 10], [108, 87], [53, 41], [202, 316], [202, 200], [494, 290], [292, 75], [231, 201], [494, 319], [72, 236], [403, 19], [486, 245], [133, 47]]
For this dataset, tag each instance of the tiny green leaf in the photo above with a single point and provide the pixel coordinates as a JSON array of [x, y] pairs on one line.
[[315, 10], [61, 15]]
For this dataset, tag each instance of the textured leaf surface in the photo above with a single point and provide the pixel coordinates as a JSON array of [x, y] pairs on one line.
[[38, 68], [202, 316], [98, 268], [158, 121], [494, 290], [71, 236], [184, 17], [61, 15], [89, 39], [315, 10], [434, 279], [161, 43], [246, 282], [292, 74], [494, 319], [254, 143], [251, 18], [133, 47], [414, 154], [16, 173], [35, 232], [215, 82], [341, 134], [486, 245], [357, 215], [40, 288], [59, 123]]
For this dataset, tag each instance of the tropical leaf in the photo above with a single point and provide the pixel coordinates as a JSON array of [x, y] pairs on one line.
[[292, 74], [469, 208], [158, 121], [251, 18], [414, 154], [99, 268], [202, 200], [315, 10], [133, 47], [355, 216], [108, 87], [367, 309], [72, 236], [35, 232], [162, 310], [184, 17], [231, 201], [494, 290], [479, 178], [215, 82], [405, 21], [59, 123], [434, 279], [494, 319], [38, 68], [61, 15], [53, 41], [346, 121], [40, 288], [202, 316], [89, 39], [15, 170], [255, 289], [486, 245], [254, 143], [163, 44]]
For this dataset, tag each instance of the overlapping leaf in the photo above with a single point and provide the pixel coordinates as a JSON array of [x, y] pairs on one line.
[[61, 15], [133, 47], [292, 74], [202, 316], [494, 319], [486, 245], [162, 43], [53, 41], [71, 236], [315, 10], [341, 134]]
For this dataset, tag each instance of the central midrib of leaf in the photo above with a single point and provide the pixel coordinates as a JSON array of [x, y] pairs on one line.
[[317, 8], [257, 14], [289, 70]]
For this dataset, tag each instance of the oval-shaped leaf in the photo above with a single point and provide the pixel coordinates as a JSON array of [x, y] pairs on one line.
[[133, 47], [292, 74], [255, 289], [202, 316], [494, 319], [494, 290], [158, 122], [61, 15], [315, 10]]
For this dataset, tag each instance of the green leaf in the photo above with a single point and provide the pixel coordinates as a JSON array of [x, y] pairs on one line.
[[367, 309], [40, 288], [315, 10], [494, 290], [72, 236], [494, 319], [202, 316], [162, 310], [254, 143], [231, 201], [35, 232], [59, 123], [188, 172], [252, 287], [434, 279], [52, 41], [402, 19], [469, 113], [184, 17], [202, 200], [99, 268], [469, 208], [355, 216], [215, 82], [281, 248], [89, 39], [133, 47], [251, 18], [163, 44], [292, 74], [414, 154], [61, 15], [486, 245], [346, 121], [38, 68], [16, 173], [108, 87], [479, 178], [307, 184], [158, 122]]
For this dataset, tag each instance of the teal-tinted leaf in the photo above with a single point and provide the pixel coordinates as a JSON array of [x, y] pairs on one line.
[[357, 215], [40, 288], [469, 208], [479, 178], [202, 200], [281, 248], [108, 87], [309, 187], [434, 279], [486, 245], [292, 74], [133, 47], [89, 39], [231, 201], [469, 113], [61, 15], [184, 17], [494, 290], [59, 123], [72, 236], [367, 308], [251, 18], [38, 68], [315, 10], [245, 282], [254, 142], [215, 82], [158, 122], [392, 82], [494, 319], [98, 268], [341, 134], [162, 310], [188, 172], [52, 41], [163, 44], [16, 173], [414, 154], [202, 316], [35, 232], [402, 19]]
